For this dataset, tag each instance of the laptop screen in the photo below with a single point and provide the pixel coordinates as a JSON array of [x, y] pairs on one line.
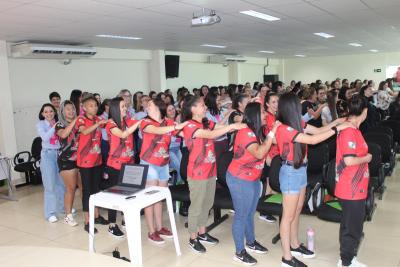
[[133, 175]]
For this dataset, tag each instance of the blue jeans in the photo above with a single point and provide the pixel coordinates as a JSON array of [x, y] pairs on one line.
[[175, 158], [245, 196], [292, 180], [160, 173], [54, 188]]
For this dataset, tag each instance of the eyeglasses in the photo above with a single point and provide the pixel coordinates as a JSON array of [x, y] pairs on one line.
[[126, 95]]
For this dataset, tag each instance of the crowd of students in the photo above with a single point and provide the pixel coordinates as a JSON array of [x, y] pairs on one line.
[[85, 141]]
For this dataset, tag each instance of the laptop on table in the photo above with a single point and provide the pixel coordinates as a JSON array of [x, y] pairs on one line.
[[132, 179]]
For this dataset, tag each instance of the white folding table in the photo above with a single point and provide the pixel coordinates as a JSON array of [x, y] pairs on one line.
[[131, 209]]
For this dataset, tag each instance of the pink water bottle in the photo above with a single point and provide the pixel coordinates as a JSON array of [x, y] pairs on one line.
[[310, 239]]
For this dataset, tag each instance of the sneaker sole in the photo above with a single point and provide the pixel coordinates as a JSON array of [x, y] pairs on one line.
[[72, 225], [156, 242], [200, 252], [242, 262], [265, 220], [285, 265], [298, 254], [208, 242], [256, 251], [116, 236], [166, 236]]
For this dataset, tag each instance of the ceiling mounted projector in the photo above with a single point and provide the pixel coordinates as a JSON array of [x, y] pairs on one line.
[[204, 18]]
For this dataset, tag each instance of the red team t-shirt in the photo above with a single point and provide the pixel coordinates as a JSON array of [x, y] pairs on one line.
[[89, 151], [284, 138], [352, 181], [121, 149], [244, 165], [270, 120], [155, 147], [201, 165]]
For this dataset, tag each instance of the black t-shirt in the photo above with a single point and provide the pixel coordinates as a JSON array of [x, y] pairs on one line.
[[309, 105], [230, 121], [69, 145]]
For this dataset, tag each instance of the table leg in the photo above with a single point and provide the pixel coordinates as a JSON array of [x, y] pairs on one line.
[[173, 224], [134, 236], [91, 225]]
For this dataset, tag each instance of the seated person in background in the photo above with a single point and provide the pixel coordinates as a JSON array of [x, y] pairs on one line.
[[329, 112]]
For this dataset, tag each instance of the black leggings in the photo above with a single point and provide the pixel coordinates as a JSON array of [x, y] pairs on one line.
[[351, 228], [113, 175], [91, 178]]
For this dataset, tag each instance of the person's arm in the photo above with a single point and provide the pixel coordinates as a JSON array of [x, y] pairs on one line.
[[164, 129], [87, 130], [45, 135], [321, 136], [259, 151], [317, 113], [217, 132], [124, 134], [353, 160], [65, 132], [315, 130]]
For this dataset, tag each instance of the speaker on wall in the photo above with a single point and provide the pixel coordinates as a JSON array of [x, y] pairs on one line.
[[271, 78], [171, 66]]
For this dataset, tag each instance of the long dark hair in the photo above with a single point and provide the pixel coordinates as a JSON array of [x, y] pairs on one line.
[[41, 117], [252, 117], [289, 113], [74, 98], [115, 112], [331, 100], [102, 108], [356, 105], [188, 102], [136, 102], [161, 106], [211, 102], [268, 97], [238, 98]]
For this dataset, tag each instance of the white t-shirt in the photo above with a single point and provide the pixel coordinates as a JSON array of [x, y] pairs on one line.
[[326, 115]]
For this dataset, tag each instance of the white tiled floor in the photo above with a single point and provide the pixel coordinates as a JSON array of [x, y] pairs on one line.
[[22, 225]]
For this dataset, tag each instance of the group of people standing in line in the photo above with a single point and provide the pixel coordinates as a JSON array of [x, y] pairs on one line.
[[82, 145]]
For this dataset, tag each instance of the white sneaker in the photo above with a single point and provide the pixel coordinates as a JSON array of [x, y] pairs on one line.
[[52, 219], [354, 263], [73, 211], [69, 219]]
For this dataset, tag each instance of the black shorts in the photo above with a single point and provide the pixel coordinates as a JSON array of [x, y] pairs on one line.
[[66, 165]]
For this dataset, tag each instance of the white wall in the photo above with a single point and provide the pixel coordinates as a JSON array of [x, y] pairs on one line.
[[349, 66]]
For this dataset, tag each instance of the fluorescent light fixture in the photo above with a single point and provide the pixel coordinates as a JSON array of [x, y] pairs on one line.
[[355, 44], [266, 52], [323, 34], [299, 55], [215, 46], [259, 15], [373, 50], [118, 37]]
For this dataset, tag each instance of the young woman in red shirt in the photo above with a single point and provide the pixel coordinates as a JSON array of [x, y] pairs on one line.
[[157, 131], [250, 150], [292, 137], [199, 135], [68, 134], [119, 128], [89, 155], [352, 160]]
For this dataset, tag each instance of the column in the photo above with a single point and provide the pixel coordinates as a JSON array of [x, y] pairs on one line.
[[234, 73], [158, 81]]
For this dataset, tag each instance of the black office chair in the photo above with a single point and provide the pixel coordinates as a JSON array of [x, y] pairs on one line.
[[388, 153], [376, 169], [180, 192], [272, 203], [29, 163], [395, 126]]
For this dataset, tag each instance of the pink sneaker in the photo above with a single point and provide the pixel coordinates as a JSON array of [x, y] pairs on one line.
[[155, 238], [165, 233]]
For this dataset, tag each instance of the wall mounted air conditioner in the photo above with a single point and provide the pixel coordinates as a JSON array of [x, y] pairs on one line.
[[225, 59], [50, 51]]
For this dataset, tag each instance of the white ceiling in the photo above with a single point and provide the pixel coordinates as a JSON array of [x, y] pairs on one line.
[[165, 24]]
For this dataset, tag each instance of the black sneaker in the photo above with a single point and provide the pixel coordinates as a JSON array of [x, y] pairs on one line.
[[302, 251], [100, 220], [196, 245], [208, 239], [292, 263], [257, 248], [268, 218], [115, 231], [244, 258], [86, 227]]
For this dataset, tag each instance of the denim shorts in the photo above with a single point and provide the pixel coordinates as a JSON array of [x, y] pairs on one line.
[[156, 172], [292, 180]]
